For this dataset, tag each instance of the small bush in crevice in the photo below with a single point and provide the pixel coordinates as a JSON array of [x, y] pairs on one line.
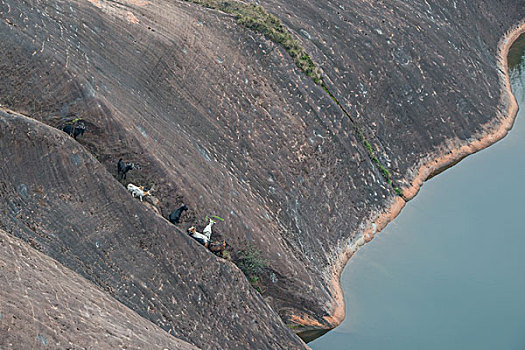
[[251, 263]]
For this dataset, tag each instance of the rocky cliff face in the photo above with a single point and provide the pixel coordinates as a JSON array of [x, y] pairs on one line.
[[220, 118], [64, 203], [415, 75], [46, 305]]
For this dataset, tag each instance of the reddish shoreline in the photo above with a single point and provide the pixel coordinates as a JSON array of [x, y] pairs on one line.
[[433, 164]]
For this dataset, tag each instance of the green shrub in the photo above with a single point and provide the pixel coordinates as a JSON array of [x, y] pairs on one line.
[[251, 263]]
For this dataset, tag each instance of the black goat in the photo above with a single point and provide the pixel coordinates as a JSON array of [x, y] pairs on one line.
[[123, 168], [175, 215], [74, 130]]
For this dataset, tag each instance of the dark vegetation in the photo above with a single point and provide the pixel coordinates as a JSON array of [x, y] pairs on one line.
[[251, 263], [360, 134]]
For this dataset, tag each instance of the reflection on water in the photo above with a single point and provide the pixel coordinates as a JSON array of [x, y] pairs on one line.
[[449, 272], [515, 56]]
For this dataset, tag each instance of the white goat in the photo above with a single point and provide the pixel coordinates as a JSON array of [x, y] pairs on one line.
[[207, 229], [205, 236], [138, 191]]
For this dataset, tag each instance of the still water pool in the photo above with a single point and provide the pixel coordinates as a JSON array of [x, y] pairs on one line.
[[449, 272]]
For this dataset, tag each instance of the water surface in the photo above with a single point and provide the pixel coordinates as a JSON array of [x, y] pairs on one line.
[[449, 272]]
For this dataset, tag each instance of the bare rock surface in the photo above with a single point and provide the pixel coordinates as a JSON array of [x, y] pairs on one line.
[[44, 305], [419, 77], [220, 118], [65, 204]]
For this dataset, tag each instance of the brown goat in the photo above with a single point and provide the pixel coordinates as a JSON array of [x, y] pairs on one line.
[[217, 247]]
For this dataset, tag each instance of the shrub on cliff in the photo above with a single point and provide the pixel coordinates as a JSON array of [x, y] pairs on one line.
[[251, 263]]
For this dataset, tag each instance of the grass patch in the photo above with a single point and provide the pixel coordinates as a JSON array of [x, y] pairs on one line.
[[259, 20], [384, 171]]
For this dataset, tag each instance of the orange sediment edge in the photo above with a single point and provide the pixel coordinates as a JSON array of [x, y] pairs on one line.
[[305, 320], [95, 3], [381, 220], [493, 132]]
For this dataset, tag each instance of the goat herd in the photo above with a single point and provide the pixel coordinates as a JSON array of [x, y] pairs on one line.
[[77, 127]]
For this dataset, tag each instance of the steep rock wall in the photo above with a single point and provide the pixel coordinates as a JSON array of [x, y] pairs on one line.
[[419, 77], [218, 117], [63, 202], [221, 118], [45, 305]]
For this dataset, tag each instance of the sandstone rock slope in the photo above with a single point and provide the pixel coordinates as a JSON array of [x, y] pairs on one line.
[[60, 200], [44, 305], [221, 118]]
